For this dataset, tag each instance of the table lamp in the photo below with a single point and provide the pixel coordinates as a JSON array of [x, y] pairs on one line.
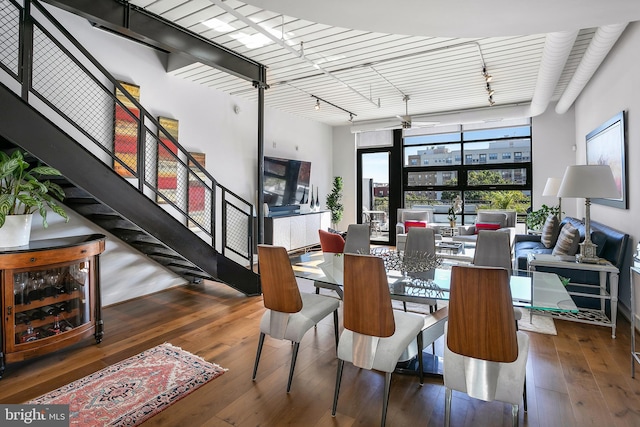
[[588, 181], [551, 189]]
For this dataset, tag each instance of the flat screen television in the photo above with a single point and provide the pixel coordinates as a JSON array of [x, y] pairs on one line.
[[286, 182]]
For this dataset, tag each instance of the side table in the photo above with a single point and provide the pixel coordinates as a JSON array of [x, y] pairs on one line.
[[604, 268]]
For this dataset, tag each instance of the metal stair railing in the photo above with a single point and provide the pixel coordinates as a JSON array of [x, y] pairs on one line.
[[59, 77]]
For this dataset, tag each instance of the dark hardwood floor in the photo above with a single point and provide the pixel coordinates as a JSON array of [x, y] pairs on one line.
[[579, 377]]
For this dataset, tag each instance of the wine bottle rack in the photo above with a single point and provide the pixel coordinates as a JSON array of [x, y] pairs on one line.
[[50, 296]]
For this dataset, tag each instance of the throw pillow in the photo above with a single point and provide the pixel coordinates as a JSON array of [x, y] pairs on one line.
[[409, 224], [568, 241], [487, 226], [550, 231]]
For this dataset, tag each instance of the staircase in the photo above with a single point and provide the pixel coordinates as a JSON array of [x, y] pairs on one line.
[[126, 208]]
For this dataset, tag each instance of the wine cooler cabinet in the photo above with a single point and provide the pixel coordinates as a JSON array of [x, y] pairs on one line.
[[50, 296]]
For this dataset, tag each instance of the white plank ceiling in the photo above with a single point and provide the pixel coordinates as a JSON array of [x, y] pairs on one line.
[[354, 69]]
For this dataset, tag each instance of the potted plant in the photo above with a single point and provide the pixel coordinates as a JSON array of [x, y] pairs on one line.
[[22, 194], [334, 202], [535, 220], [452, 216]]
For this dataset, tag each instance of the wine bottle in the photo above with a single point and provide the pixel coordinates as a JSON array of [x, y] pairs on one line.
[[22, 318], [50, 310], [62, 306], [29, 335], [37, 314], [55, 329]]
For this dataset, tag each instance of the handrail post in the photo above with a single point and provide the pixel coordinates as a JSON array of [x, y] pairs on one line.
[[26, 55], [142, 154]]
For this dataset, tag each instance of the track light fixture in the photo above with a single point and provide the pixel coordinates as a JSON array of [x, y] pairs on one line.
[[487, 77], [317, 107], [489, 90]]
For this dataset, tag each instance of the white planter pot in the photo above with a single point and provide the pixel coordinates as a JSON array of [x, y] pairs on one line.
[[15, 231]]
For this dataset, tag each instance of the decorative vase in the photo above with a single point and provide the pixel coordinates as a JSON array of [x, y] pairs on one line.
[[304, 194], [452, 223], [15, 231], [312, 203], [317, 205]]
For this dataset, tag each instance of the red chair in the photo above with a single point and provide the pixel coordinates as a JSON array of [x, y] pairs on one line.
[[331, 242]]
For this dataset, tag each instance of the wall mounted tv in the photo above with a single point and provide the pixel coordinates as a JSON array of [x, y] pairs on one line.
[[286, 182]]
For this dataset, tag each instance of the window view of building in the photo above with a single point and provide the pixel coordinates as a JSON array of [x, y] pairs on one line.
[[487, 168]]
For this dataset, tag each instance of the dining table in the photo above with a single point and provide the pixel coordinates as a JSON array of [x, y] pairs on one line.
[[539, 292]]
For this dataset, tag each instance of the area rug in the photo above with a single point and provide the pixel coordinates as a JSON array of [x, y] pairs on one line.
[[135, 389], [539, 324]]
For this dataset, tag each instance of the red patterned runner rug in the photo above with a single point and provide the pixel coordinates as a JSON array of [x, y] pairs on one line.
[[133, 390]]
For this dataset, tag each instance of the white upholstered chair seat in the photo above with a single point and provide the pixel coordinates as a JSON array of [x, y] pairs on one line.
[[314, 309], [388, 350], [486, 380]]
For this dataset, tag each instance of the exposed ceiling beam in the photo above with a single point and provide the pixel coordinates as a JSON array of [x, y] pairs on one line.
[[134, 22]]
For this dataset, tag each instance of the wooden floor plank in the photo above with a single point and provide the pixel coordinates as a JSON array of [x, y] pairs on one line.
[[579, 377]]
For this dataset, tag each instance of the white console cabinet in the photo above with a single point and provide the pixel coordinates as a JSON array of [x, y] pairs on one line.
[[295, 232]]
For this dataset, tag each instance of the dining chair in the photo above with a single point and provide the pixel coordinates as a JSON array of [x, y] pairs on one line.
[[421, 242], [331, 242], [358, 239], [484, 355], [290, 313], [493, 249], [375, 335]]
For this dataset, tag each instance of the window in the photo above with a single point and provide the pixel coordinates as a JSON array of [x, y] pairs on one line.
[[486, 167]]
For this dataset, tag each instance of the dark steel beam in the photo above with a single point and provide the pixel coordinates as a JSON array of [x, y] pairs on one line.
[[136, 23]]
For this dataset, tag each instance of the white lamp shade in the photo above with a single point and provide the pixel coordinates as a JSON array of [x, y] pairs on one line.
[[588, 181], [552, 186]]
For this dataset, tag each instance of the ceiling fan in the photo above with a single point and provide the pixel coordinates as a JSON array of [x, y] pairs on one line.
[[406, 122]]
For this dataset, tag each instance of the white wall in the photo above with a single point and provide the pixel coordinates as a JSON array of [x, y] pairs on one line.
[[207, 124], [344, 165], [553, 139], [613, 88]]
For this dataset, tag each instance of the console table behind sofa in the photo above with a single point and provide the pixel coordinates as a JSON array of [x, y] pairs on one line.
[[612, 246]]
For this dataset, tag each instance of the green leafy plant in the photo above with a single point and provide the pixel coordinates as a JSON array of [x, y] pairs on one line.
[[536, 219], [565, 280], [452, 214], [21, 191], [334, 201]]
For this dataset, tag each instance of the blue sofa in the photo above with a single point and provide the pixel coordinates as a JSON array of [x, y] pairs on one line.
[[612, 246]]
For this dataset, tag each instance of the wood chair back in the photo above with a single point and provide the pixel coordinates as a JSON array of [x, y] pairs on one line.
[[279, 287], [367, 301], [331, 242], [481, 320]]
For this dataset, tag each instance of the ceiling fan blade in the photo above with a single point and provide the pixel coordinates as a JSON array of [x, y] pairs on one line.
[[424, 124]]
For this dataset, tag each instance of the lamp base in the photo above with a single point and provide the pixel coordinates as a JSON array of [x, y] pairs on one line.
[[587, 253]]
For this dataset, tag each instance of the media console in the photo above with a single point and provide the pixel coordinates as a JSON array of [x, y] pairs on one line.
[[295, 232]]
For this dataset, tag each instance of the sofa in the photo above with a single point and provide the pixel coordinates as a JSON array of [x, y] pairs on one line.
[[488, 219], [612, 246]]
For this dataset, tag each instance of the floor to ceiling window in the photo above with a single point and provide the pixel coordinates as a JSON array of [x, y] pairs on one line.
[[481, 166]]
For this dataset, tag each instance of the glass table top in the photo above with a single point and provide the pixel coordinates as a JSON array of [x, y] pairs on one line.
[[530, 289]]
